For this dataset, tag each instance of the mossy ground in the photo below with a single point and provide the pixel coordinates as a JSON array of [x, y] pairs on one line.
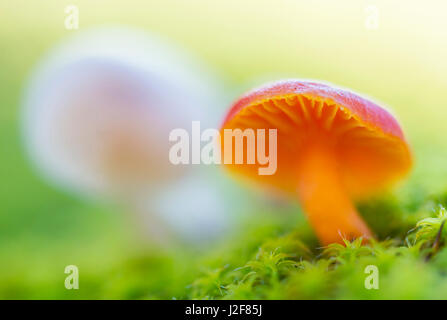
[[411, 262], [275, 259], [280, 261]]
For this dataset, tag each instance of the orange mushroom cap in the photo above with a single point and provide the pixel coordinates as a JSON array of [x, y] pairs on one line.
[[333, 146]]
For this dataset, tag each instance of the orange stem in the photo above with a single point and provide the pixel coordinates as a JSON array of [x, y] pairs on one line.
[[325, 200]]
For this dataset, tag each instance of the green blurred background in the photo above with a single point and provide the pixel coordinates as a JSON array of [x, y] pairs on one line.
[[401, 63]]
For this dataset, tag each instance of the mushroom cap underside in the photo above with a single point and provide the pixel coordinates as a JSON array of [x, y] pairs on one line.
[[366, 142]]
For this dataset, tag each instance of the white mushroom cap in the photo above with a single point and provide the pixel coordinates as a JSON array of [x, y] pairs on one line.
[[99, 109]]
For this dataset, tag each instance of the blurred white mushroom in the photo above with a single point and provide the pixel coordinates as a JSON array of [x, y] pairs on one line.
[[97, 116]]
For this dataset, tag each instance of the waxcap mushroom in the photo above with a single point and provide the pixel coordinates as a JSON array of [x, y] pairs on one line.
[[333, 147]]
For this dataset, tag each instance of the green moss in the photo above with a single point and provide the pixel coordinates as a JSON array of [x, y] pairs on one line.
[[412, 264], [273, 257]]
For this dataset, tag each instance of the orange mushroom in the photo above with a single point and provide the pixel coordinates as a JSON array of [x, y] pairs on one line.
[[333, 147]]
